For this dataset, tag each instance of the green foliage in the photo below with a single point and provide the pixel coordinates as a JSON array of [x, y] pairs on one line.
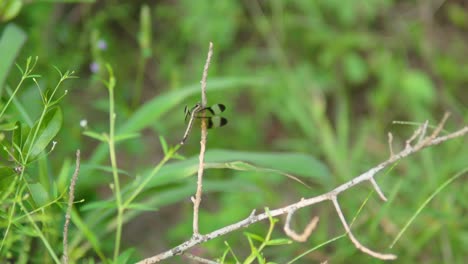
[[25, 193], [256, 250]]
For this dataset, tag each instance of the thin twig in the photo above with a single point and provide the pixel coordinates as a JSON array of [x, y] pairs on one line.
[[204, 133], [71, 198], [307, 231], [415, 134], [199, 259], [390, 143], [424, 130], [439, 127], [377, 189], [354, 240], [407, 151]]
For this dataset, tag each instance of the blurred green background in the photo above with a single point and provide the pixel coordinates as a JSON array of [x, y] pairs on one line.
[[311, 89]]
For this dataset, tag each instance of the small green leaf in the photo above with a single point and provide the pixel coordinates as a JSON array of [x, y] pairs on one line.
[[7, 177], [107, 204], [8, 127], [418, 87], [9, 9], [355, 68], [11, 42], [243, 166], [144, 36], [43, 133], [86, 232], [223, 257], [99, 137], [39, 194], [163, 144], [17, 135], [141, 207], [105, 169], [27, 231], [254, 236], [254, 252], [279, 242], [125, 256], [457, 15], [4, 156], [126, 136]]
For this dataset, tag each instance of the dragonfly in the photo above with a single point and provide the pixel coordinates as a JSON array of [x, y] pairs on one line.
[[211, 117]]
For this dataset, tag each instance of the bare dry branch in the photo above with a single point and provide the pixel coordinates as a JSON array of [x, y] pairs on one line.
[[354, 240], [432, 140], [204, 133], [199, 259], [71, 198]]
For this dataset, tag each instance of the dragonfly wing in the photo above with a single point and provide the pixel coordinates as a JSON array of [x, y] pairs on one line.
[[186, 113], [216, 121], [215, 109]]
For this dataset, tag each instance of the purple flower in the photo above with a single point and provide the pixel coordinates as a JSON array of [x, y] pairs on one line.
[[94, 67], [102, 44]]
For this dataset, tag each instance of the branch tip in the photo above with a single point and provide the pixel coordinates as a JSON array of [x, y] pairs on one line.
[[390, 146], [377, 189], [307, 231]]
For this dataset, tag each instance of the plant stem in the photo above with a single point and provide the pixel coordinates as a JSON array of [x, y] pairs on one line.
[[113, 159]]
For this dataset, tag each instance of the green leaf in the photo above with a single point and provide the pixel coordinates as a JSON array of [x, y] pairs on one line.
[[11, 42], [88, 233], [97, 136], [39, 194], [8, 126], [223, 257], [142, 207], [163, 144], [418, 87], [17, 135], [99, 205], [295, 163], [457, 15], [254, 252], [254, 236], [279, 242], [355, 68], [9, 9], [27, 231], [122, 137], [45, 132], [125, 256], [108, 169], [7, 177], [243, 166], [4, 156], [144, 36]]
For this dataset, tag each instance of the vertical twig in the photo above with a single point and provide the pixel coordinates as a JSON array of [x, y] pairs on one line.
[[204, 133], [71, 198]]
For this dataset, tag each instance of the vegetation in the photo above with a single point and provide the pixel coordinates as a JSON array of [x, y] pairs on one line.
[[311, 87]]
